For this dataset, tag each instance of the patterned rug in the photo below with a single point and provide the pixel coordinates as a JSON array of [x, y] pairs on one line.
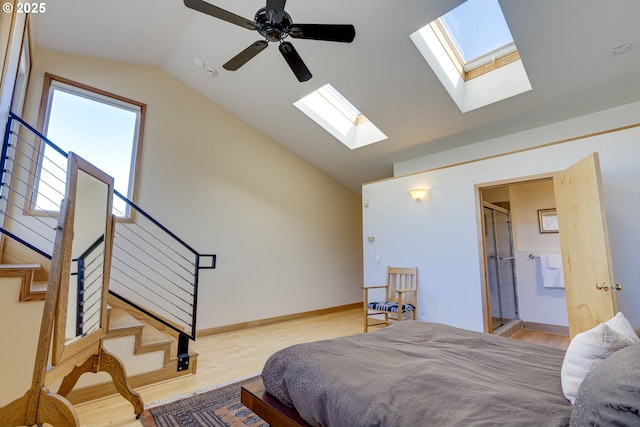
[[219, 407]]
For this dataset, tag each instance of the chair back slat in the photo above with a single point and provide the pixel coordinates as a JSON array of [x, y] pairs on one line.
[[400, 279]]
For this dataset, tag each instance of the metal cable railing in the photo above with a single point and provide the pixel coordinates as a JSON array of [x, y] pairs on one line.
[[152, 269], [90, 265]]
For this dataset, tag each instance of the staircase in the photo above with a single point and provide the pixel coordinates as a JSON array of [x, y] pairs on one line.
[[154, 274], [131, 333]]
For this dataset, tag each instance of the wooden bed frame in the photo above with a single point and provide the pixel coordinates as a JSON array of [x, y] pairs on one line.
[[255, 397]]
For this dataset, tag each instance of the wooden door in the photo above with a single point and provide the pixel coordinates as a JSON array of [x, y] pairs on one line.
[[584, 241]]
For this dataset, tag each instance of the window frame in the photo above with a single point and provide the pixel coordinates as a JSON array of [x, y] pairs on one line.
[[99, 95]]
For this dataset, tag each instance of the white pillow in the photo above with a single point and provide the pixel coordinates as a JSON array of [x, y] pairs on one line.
[[586, 351], [621, 325]]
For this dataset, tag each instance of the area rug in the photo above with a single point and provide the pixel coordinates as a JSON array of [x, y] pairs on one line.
[[217, 407]]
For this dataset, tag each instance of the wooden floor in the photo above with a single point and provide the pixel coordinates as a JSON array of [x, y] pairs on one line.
[[543, 338], [227, 357]]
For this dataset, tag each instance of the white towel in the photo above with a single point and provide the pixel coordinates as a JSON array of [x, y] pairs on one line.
[[554, 261], [551, 270]]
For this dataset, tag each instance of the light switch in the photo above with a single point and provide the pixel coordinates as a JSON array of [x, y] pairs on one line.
[[371, 239]]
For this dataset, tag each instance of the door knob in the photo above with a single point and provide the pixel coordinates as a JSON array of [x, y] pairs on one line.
[[605, 287]]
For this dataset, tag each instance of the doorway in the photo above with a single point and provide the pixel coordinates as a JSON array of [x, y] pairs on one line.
[[536, 306], [500, 265]]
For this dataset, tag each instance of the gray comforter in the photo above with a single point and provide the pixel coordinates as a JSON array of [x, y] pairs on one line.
[[420, 374]]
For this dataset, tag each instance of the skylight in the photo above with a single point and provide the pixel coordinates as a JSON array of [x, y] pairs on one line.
[[327, 107], [477, 28], [472, 52]]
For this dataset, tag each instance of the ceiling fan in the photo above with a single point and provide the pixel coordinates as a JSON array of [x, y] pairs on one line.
[[275, 25]]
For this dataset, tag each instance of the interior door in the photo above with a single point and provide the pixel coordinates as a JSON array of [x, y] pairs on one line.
[[584, 240]]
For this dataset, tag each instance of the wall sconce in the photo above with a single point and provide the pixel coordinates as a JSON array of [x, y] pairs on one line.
[[418, 193]]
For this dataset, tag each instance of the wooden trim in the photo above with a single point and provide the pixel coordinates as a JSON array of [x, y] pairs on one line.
[[447, 44], [48, 77], [7, 23], [270, 321], [543, 327], [508, 153], [38, 152], [491, 66], [509, 329]]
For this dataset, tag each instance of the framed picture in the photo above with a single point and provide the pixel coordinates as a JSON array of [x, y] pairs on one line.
[[548, 220]]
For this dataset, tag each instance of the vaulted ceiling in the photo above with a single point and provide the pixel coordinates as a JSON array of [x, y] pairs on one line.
[[565, 45]]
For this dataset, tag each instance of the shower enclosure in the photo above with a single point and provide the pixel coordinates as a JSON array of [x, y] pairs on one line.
[[500, 265]]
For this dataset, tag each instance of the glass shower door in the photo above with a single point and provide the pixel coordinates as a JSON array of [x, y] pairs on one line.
[[500, 267]]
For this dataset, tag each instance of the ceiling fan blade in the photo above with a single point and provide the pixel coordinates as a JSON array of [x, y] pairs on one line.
[[216, 12], [295, 62], [328, 32], [243, 57], [277, 7]]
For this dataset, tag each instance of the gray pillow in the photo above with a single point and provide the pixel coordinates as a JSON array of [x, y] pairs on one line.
[[610, 393]]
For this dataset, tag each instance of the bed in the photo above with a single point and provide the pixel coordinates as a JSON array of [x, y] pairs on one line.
[[412, 374]]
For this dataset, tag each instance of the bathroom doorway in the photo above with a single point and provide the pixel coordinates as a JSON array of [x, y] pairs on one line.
[[500, 265]]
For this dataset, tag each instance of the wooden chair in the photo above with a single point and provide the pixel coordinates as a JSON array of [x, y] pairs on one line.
[[400, 301]]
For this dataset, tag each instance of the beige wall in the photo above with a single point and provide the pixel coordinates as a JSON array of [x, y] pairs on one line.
[[287, 236], [19, 329], [537, 304]]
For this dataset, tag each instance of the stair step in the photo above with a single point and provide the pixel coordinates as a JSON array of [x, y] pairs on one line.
[[148, 339], [154, 340], [20, 266], [39, 287], [30, 289], [15, 253], [122, 323]]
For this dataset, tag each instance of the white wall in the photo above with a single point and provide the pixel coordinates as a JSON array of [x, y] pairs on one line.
[[287, 235], [441, 233]]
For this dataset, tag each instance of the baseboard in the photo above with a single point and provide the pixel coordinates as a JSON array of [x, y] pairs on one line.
[[270, 321], [543, 327]]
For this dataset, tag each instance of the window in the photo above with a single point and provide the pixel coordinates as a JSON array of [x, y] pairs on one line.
[[103, 128], [472, 52], [328, 108], [476, 34]]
